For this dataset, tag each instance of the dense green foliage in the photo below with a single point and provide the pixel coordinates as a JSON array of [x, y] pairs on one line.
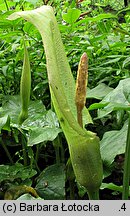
[[100, 29]]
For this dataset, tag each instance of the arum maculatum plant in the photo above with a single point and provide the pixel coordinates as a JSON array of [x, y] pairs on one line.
[[83, 145]]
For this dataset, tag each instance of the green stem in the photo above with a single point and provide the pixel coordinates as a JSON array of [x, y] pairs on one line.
[[62, 151], [6, 5], [71, 178], [126, 175], [57, 149], [14, 77], [37, 167], [36, 158], [7, 152], [72, 192], [93, 195], [24, 147], [37, 153]]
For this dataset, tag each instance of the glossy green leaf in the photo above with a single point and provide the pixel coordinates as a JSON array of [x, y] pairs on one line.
[[12, 107], [41, 118], [113, 187], [71, 16], [5, 123], [113, 143], [38, 135], [97, 106], [15, 171], [117, 99], [28, 197], [99, 92], [51, 183], [42, 127]]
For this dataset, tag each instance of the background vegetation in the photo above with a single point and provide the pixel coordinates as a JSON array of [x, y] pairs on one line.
[[36, 155]]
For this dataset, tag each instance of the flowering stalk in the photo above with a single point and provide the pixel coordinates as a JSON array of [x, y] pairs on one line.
[[81, 83]]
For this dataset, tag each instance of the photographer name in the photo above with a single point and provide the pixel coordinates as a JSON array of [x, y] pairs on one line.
[[61, 207]]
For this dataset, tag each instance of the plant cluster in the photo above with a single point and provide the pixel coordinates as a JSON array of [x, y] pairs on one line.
[[40, 137]]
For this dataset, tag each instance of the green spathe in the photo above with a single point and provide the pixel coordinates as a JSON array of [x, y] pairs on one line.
[[25, 87], [83, 145]]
